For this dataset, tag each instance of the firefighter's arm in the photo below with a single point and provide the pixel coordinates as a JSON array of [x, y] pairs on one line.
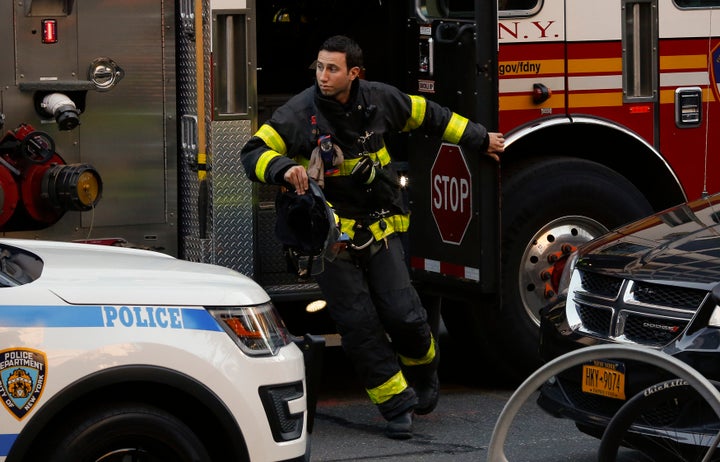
[[263, 157], [452, 127], [472, 135]]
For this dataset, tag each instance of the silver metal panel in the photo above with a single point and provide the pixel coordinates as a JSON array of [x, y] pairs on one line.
[[123, 130], [232, 200], [194, 247], [7, 53], [230, 215], [37, 61], [128, 133]]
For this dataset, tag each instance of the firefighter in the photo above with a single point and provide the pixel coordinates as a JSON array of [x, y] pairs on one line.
[[338, 124]]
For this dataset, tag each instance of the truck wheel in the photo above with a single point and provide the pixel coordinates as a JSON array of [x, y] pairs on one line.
[[126, 431], [546, 205], [554, 203]]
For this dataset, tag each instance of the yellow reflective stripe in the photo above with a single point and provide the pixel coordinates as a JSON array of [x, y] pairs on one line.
[[395, 385], [382, 156], [262, 164], [417, 113], [346, 167], [393, 224], [347, 226], [427, 359], [272, 139], [455, 129], [202, 163]]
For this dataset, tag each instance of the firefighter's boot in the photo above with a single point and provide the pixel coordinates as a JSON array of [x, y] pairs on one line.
[[425, 382], [427, 390], [400, 427]]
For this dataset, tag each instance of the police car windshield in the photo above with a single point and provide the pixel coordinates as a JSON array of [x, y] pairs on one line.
[[5, 279], [16, 267]]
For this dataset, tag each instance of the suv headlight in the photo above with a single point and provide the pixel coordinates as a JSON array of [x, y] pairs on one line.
[[258, 330], [715, 317]]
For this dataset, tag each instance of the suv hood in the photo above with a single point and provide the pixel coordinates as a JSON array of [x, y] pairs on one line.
[[681, 244], [98, 274]]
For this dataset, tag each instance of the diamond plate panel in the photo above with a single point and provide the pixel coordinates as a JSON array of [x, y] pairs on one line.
[[232, 199], [236, 238], [192, 247]]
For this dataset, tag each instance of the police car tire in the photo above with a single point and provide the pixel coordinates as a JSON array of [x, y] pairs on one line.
[[123, 427]]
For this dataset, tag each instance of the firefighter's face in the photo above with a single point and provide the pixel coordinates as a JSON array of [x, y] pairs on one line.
[[333, 76]]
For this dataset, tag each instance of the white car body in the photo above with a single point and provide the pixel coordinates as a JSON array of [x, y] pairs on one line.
[[99, 314]]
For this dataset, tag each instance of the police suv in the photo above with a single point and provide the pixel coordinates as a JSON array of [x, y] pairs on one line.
[[114, 354]]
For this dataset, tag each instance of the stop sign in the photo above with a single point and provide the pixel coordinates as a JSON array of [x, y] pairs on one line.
[[451, 196]]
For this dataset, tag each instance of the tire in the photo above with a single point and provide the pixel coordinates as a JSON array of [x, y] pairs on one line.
[[126, 431], [545, 205], [672, 408]]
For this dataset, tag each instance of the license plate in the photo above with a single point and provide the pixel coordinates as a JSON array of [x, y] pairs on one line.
[[605, 378]]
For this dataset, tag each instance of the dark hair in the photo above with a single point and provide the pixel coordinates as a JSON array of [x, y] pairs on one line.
[[343, 44]]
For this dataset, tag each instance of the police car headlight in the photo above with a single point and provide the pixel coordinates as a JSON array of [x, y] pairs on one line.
[[258, 330]]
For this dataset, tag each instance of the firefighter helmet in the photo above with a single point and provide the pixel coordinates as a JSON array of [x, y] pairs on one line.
[[305, 222]]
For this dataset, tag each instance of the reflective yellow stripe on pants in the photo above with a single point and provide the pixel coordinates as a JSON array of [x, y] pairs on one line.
[[427, 359], [393, 386]]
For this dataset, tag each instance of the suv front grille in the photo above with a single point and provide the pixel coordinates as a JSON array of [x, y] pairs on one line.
[[634, 311], [670, 296], [600, 285], [595, 319], [652, 330]]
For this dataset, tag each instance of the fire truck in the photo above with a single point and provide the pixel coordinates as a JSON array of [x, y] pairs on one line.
[[606, 107]]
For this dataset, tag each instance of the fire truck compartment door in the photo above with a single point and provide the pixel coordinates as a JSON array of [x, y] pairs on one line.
[[455, 217], [454, 194]]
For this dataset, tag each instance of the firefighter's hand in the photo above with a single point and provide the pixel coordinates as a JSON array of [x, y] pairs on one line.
[[496, 144], [298, 178]]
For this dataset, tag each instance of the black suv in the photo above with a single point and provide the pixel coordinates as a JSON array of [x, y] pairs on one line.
[[649, 283]]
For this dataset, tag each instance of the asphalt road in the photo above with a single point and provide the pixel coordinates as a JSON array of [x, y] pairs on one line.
[[349, 428]]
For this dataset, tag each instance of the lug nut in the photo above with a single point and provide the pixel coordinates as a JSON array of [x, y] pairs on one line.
[[549, 292]]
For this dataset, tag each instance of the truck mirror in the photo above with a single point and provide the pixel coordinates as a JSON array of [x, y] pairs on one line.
[[427, 10]]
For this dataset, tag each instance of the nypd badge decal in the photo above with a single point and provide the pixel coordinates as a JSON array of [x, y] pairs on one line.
[[22, 379]]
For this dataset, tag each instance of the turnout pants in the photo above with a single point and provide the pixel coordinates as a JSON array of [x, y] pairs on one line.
[[381, 320]]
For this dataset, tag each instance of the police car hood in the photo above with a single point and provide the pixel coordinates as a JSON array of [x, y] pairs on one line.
[[98, 274], [680, 246]]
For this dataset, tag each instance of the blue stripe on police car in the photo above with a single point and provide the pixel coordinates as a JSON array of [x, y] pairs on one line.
[[153, 317]]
